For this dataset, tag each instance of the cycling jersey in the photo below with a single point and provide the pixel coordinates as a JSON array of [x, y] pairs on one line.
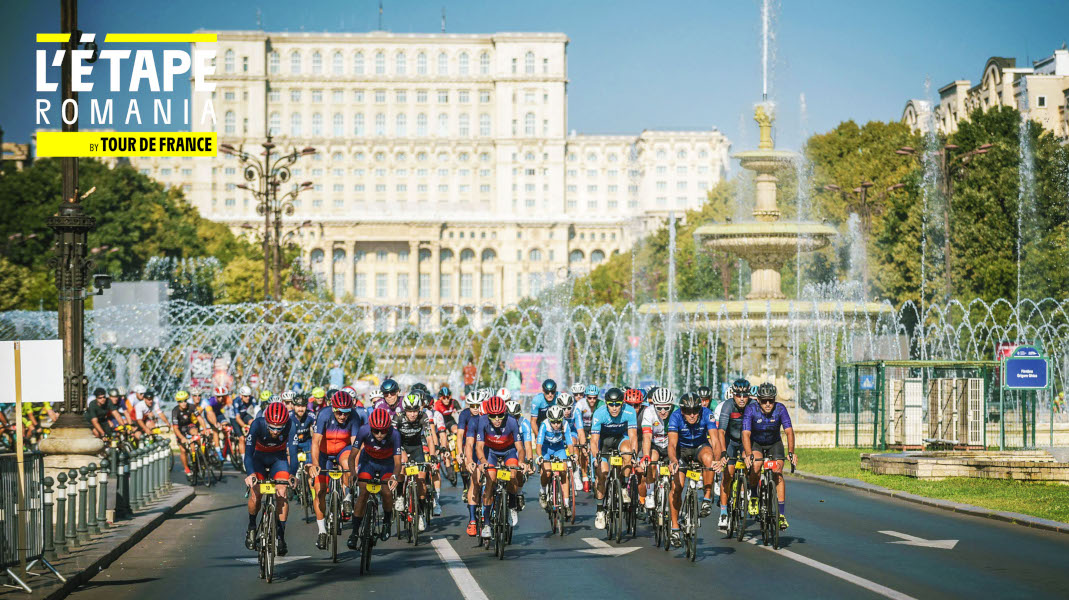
[[184, 419], [240, 408], [609, 426], [336, 436], [654, 426], [302, 428], [765, 429], [393, 410], [260, 440], [446, 411], [500, 438], [587, 413], [387, 447], [214, 404], [540, 405], [526, 433], [575, 422], [467, 422], [142, 408], [554, 441], [691, 435], [730, 420], [411, 431]]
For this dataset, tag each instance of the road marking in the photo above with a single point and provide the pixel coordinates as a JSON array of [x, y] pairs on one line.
[[469, 588], [872, 586], [912, 540], [279, 560], [603, 549]]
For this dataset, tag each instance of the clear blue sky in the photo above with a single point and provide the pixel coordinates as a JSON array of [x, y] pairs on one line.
[[636, 65]]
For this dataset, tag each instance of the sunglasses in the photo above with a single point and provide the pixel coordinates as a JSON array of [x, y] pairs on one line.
[[614, 404], [664, 408], [691, 411], [380, 431], [556, 421], [496, 416], [767, 400], [343, 411], [275, 429]]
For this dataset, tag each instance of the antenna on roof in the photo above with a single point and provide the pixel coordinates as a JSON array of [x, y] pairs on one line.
[[443, 19], [380, 15]]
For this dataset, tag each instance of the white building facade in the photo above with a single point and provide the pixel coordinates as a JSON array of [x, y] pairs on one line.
[[445, 179]]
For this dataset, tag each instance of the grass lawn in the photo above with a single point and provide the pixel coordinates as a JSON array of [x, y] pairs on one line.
[[1045, 500]]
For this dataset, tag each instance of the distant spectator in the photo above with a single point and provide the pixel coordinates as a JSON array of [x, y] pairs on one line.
[[337, 376], [513, 380], [469, 376]]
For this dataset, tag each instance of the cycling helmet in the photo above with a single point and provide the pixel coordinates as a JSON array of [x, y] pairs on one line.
[[374, 396], [633, 396], [220, 390], [753, 390], [689, 401], [379, 419], [428, 400], [388, 386], [418, 386], [592, 390], [319, 393], [288, 396], [705, 393], [445, 391], [555, 414], [495, 406], [504, 394], [741, 386], [549, 386], [244, 391], [265, 395], [195, 391], [578, 388], [413, 401], [276, 414], [341, 401], [275, 399], [565, 400], [614, 395], [473, 398], [150, 393], [514, 407], [661, 396], [181, 396], [113, 392], [139, 389], [349, 390], [766, 390]]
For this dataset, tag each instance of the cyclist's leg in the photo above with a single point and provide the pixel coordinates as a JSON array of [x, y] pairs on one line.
[[320, 487], [677, 497], [705, 457]]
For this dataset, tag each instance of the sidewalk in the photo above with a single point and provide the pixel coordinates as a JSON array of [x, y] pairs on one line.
[[101, 550], [976, 511]]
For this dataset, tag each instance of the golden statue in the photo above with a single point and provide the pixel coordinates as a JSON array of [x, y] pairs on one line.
[[764, 122]]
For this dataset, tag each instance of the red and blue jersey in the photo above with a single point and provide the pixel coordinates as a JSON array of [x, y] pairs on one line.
[[261, 440], [336, 436], [387, 447], [498, 439]]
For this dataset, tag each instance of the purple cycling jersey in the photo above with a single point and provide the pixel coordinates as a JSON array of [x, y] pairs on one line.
[[764, 428], [393, 410], [498, 438]]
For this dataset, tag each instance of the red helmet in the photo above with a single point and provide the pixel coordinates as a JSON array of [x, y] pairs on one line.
[[633, 396], [276, 414], [495, 406], [221, 390], [379, 419], [341, 400]]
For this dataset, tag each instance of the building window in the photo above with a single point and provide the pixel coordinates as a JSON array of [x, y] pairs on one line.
[[484, 124], [338, 125], [421, 125], [462, 63], [445, 290], [358, 124], [421, 63], [463, 125], [380, 63], [529, 124], [336, 64], [402, 125], [360, 285], [596, 257], [274, 96], [317, 62], [443, 96], [443, 125], [466, 285], [514, 66], [358, 63], [228, 61], [545, 65], [535, 283], [402, 96], [295, 62], [443, 64], [229, 122], [317, 124], [399, 63], [402, 285], [535, 255], [462, 96], [380, 96], [380, 285], [380, 124], [295, 125], [529, 63], [484, 63], [1041, 101], [337, 96], [487, 285], [273, 62], [425, 285]]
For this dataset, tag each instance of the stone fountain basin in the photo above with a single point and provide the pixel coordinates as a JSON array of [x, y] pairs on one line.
[[777, 314], [765, 160], [760, 239], [1021, 465]]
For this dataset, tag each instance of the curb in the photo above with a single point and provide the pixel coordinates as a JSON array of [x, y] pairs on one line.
[[958, 507], [182, 496]]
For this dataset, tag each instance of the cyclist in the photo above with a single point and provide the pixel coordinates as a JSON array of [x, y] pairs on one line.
[[556, 441], [654, 426], [573, 420], [380, 457], [690, 430], [240, 414], [303, 425], [761, 422], [614, 427], [467, 421], [187, 423], [358, 407], [333, 445], [435, 428], [213, 407], [412, 425], [97, 413], [318, 401], [729, 430], [145, 410], [705, 396], [448, 409], [497, 440], [391, 397], [541, 403], [634, 398], [265, 458], [527, 436]]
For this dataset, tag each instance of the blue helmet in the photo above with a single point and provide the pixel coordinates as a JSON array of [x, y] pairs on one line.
[[592, 390], [549, 386], [389, 386]]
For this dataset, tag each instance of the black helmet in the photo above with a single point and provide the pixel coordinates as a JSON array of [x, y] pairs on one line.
[[741, 386], [766, 390], [689, 401], [388, 386], [705, 393], [445, 391], [150, 393], [99, 392], [331, 392], [418, 386], [614, 395], [549, 386]]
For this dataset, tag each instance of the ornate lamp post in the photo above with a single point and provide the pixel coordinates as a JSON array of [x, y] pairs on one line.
[[269, 174]]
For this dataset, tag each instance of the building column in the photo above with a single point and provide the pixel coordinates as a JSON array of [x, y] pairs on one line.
[[413, 282], [436, 279]]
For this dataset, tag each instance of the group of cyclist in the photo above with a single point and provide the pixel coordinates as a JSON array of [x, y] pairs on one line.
[[336, 432]]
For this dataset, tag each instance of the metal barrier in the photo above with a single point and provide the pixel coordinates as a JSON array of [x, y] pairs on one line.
[[12, 537]]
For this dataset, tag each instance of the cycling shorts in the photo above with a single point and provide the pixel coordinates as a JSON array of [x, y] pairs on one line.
[[548, 454], [333, 461], [371, 468], [449, 421], [662, 451], [507, 457], [415, 453], [270, 465], [734, 450], [609, 442], [685, 454], [774, 450]]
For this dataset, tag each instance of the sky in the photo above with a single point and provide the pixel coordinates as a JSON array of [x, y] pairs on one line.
[[668, 64]]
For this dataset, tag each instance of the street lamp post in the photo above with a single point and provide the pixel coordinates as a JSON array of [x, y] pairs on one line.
[[859, 199], [949, 167], [269, 174]]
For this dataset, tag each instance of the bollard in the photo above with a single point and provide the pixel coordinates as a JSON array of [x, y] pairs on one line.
[[134, 474], [61, 513], [72, 510], [102, 499], [83, 490], [154, 472], [91, 497], [113, 461], [49, 547], [122, 486], [142, 478]]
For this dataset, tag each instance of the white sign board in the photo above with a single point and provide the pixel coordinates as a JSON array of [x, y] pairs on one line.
[[41, 368]]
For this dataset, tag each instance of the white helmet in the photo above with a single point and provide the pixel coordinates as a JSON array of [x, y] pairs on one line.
[[565, 400], [514, 407], [555, 413], [661, 397], [374, 394], [504, 394], [288, 396], [578, 388], [139, 389], [245, 391]]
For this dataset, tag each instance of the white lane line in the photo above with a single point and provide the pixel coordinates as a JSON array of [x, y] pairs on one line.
[[872, 586], [469, 588]]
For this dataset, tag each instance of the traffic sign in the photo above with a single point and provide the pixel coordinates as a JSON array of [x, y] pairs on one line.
[[1025, 369], [867, 382]]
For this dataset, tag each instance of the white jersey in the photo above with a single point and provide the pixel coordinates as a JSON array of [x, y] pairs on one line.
[[436, 418], [656, 427], [142, 408]]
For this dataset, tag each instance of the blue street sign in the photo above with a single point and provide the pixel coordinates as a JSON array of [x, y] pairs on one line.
[[1026, 369], [867, 382], [634, 363]]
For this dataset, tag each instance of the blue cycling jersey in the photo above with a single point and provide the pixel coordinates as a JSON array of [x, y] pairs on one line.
[[526, 433], [764, 428], [261, 440], [553, 440], [540, 405], [607, 425], [302, 428], [692, 435]]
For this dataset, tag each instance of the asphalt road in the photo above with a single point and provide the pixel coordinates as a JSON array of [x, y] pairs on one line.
[[833, 549]]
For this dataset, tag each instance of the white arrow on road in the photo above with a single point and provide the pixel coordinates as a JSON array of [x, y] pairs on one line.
[[912, 540], [279, 560], [600, 547]]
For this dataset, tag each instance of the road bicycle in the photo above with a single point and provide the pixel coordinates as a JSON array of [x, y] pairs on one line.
[[661, 516], [690, 507], [737, 501], [266, 532], [414, 506], [500, 523], [450, 470], [371, 523], [302, 486], [619, 517], [333, 514], [768, 503], [559, 505]]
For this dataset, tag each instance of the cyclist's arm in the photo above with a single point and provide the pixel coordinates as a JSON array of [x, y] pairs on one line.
[[521, 453], [647, 442], [210, 415], [632, 434], [250, 451], [97, 428], [789, 432], [143, 426], [673, 440], [714, 441], [595, 441], [479, 451], [746, 447], [317, 438]]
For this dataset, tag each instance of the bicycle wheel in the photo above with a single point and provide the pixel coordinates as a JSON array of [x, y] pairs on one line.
[[270, 544], [501, 523], [306, 494], [412, 504], [773, 519], [367, 535], [762, 513], [692, 539], [217, 468], [205, 469], [261, 548], [333, 506]]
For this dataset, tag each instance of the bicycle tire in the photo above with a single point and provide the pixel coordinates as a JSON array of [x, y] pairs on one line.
[[773, 520], [367, 534], [502, 522], [270, 543], [763, 510], [306, 495], [619, 512], [217, 468], [413, 516], [205, 469], [332, 523], [695, 523]]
